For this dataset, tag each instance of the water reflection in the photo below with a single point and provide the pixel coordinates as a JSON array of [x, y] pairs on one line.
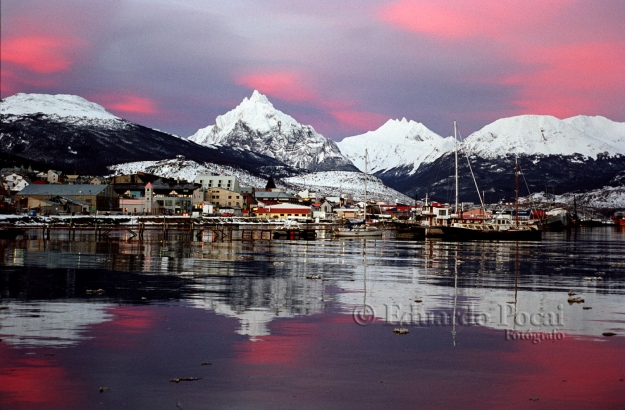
[[503, 285], [49, 324], [132, 315]]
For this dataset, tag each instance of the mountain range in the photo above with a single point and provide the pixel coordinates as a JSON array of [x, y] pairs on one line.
[[576, 154], [67, 131]]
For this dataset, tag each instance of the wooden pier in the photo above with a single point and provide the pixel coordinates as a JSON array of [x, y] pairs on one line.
[[181, 228]]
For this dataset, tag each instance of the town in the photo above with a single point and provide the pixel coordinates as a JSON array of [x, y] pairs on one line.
[[53, 192]]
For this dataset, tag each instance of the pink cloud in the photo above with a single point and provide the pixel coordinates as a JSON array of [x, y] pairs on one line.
[[359, 120], [286, 85], [295, 87], [571, 79], [448, 20], [127, 103], [41, 54]]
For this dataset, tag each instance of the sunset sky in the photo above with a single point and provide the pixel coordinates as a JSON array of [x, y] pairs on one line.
[[344, 67]]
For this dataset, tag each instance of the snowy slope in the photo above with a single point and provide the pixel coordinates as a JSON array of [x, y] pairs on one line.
[[255, 125], [605, 197], [327, 183], [547, 135], [186, 170], [397, 143], [601, 129], [332, 183], [60, 106]]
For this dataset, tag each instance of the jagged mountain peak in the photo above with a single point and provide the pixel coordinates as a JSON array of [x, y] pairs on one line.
[[256, 113], [256, 125], [257, 97], [59, 105]]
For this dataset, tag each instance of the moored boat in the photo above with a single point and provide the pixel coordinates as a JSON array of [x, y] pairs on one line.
[[354, 230], [449, 223], [359, 229]]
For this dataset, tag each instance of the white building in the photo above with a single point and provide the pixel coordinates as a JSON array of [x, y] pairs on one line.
[[229, 183], [14, 182]]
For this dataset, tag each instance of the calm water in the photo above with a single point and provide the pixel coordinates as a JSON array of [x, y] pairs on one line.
[[88, 324]]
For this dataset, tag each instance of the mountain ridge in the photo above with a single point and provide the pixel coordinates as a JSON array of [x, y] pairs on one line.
[[77, 134], [577, 153]]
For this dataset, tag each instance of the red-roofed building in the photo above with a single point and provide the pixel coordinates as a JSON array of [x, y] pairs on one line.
[[284, 211]]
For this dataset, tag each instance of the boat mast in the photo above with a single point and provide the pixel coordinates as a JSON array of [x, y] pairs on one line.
[[456, 153], [516, 201], [366, 173]]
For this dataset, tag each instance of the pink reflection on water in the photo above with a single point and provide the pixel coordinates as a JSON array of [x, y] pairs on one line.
[[35, 382]]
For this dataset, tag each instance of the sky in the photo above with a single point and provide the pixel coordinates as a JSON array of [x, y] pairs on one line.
[[344, 67]]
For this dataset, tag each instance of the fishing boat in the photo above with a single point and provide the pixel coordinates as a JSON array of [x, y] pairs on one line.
[[619, 218], [359, 229], [454, 226]]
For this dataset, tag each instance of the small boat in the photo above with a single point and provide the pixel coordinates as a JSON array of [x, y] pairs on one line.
[[557, 220], [619, 218], [359, 229]]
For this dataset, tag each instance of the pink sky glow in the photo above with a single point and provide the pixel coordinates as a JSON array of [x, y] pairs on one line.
[[342, 68]]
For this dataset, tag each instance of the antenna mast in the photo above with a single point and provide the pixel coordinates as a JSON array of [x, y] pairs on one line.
[[516, 201], [456, 153], [366, 173]]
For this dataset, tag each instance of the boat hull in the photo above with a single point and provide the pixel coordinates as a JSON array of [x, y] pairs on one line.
[[458, 233], [356, 233], [619, 221], [412, 232]]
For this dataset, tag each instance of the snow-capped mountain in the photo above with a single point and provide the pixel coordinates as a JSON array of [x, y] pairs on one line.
[[396, 144], [547, 135], [579, 153], [255, 125], [59, 106], [69, 132]]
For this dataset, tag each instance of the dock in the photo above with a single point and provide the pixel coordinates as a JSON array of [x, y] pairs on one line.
[[206, 229]]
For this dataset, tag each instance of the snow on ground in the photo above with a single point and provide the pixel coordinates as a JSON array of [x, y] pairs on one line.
[[186, 170], [61, 105], [333, 183], [327, 183], [606, 197]]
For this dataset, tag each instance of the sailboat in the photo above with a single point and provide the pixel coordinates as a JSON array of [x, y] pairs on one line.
[[360, 229], [497, 229]]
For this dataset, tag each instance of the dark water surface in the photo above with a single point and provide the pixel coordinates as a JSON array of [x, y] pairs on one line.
[[88, 324]]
